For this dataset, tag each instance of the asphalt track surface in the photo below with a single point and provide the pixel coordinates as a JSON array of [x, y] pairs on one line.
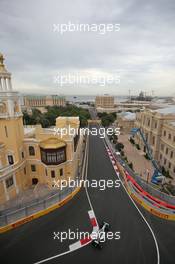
[[165, 235], [34, 241]]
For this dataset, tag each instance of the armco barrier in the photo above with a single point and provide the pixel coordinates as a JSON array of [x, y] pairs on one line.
[[23, 215], [32, 208], [156, 193], [147, 207], [150, 209], [136, 198], [38, 214], [146, 186], [156, 200]]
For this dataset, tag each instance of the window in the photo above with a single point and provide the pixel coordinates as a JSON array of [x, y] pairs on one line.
[[169, 165], [6, 131], [155, 125], [162, 147], [10, 159], [52, 173], [171, 155], [160, 156], [24, 170], [164, 161], [53, 156], [153, 140], [33, 168], [169, 136], [46, 172], [164, 133], [31, 151], [22, 155], [34, 181], [61, 172], [76, 139], [166, 150], [9, 182], [144, 120]]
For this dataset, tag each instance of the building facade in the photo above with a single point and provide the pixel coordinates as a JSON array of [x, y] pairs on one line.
[[31, 155], [104, 101], [40, 102], [125, 121], [167, 148], [159, 129]]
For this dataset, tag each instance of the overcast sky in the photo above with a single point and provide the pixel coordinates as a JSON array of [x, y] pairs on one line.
[[142, 52]]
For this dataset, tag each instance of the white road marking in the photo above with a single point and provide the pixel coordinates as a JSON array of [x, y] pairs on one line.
[[152, 232], [95, 229], [91, 214], [76, 245], [60, 255], [87, 194]]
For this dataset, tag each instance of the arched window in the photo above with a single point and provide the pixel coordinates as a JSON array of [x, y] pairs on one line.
[[31, 151]]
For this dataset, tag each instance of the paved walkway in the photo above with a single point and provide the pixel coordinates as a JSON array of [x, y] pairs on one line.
[[141, 165]]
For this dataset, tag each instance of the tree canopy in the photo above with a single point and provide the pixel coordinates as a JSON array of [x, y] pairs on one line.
[[49, 118], [107, 119]]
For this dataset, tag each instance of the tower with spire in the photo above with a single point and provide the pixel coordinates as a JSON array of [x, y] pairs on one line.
[[5, 76], [9, 99], [11, 135]]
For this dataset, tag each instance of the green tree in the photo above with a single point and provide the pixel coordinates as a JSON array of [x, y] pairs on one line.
[[131, 165], [119, 146], [49, 118]]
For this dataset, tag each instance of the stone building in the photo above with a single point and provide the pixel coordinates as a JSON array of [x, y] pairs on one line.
[[31, 155], [159, 129], [104, 101], [41, 101], [125, 121]]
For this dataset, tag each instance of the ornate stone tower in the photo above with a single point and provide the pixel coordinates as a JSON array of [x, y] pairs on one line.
[[10, 105], [11, 136]]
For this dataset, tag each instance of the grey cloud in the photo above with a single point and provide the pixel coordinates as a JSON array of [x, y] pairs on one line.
[[143, 50]]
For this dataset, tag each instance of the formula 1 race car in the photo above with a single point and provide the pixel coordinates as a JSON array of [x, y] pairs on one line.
[[100, 235]]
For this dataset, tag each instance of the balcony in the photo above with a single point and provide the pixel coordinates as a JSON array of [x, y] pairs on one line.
[[53, 151]]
